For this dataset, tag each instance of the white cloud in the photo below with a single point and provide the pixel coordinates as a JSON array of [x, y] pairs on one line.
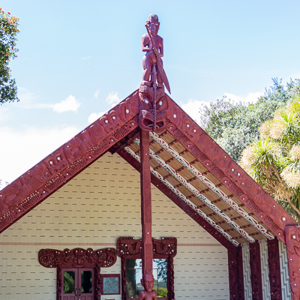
[[192, 108], [250, 98], [4, 114], [113, 98], [21, 150], [94, 116], [69, 104], [88, 57]]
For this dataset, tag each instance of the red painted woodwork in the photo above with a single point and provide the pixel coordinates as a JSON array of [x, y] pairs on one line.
[[292, 236], [63, 164], [129, 248], [55, 170], [255, 265], [146, 210], [236, 275], [177, 200], [78, 258], [274, 269], [152, 44], [225, 169]]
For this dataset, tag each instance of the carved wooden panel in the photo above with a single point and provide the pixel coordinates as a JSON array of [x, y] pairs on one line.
[[77, 258], [255, 265], [274, 269], [235, 268]]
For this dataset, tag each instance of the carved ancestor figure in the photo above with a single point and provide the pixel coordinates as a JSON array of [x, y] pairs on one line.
[[151, 91], [152, 44], [148, 293]]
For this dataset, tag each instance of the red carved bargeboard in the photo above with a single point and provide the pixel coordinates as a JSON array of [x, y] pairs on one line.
[[66, 162], [225, 169], [292, 235]]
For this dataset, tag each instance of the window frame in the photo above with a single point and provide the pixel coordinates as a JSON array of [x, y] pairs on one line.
[[165, 248]]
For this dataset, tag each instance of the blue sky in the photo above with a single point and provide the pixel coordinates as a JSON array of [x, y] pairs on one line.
[[77, 59]]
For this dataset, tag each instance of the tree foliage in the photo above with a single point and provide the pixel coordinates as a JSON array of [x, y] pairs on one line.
[[234, 125], [8, 31], [274, 160]]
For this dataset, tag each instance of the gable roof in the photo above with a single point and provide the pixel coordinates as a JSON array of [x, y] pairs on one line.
[[186, 165]]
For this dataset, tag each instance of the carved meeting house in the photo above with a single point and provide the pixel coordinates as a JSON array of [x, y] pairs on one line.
[[144, 191]]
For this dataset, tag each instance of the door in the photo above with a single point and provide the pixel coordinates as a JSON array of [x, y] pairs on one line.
[[78, 284]]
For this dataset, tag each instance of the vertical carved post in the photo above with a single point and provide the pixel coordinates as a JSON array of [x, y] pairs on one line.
[[292, 238], [147, 250], [255, 266], [98, 282], [59, 283], [236, 281], [170, 282], [124, 278], [274, 269]]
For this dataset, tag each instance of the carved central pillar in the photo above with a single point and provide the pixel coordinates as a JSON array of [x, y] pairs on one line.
[[147, 248]]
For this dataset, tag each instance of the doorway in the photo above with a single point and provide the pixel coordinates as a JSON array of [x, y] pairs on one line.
[[78, 284]]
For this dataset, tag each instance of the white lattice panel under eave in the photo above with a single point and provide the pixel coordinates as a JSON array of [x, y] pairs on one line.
[[247, 272], [284, 271], [263, 246]]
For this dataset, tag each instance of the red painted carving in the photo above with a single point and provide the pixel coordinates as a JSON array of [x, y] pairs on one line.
[[222, 166], [98, 282], [59, 283], [152, 44], [146, 211], [235, 266], [255, 265], [151, 91], [292, 236], [55, 170], [170, 283], [274, 269], [129, 248], [77, 258], [148, 293], [177, 200]]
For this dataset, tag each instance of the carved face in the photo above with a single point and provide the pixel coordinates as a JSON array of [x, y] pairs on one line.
[[147, 282], [154, 26]]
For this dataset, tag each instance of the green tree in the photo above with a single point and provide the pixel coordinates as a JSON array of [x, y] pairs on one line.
[[234, 125], [8, 31], [274, 160]]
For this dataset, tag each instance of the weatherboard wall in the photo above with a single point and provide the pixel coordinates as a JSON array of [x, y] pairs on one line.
[[93, 210]]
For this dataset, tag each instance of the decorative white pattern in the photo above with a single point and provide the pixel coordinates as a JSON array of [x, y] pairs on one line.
[[197, 193], [263, 246], [284, 271], [187, 201], [247, 272], [209, 184]]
